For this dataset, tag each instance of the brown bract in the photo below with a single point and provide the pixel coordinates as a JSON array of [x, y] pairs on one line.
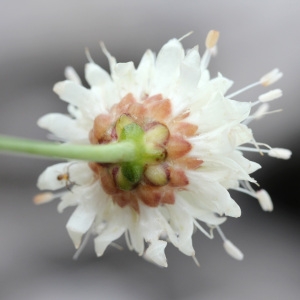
[[162, 177]]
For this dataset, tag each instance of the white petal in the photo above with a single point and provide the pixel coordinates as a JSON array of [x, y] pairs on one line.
[[48, 179], [156, 253], [62, 126], [144, 72], [68, 199], [182, 223], [211, 195], [124, 77], [167, 66], [80, 222], [221, 84], [95, 75], [72, 75], [112, 232], [72, 93]]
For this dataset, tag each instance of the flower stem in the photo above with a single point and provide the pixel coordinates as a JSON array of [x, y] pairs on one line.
[[109, 153]]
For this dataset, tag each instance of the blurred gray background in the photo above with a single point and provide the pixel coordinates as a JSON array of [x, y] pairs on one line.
[[38, 39]]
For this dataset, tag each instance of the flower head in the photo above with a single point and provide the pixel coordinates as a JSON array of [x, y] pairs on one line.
[[188, 136]]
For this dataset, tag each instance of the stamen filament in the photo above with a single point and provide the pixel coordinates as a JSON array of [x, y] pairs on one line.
[[246, 88], [114, 152]]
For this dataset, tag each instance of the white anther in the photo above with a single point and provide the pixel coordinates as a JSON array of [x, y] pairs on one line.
[[264, 200], [232, 250], [270, 96], [270, 77], [280, 153]]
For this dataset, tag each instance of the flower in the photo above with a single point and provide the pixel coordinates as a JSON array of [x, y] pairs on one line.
[[188, 135]]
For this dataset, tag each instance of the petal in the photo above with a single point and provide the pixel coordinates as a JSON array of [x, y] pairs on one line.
[[210, 195], [95, 75], [182, 223], [156, 253], [48, 180], [145, 71], [64, 127], [72, 93], [80, 222], [112, 232], [167, 67], [221, 84], [124, 77]]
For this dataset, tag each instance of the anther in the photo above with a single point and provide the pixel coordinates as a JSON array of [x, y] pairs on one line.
[[232, 250], [270, 96], [264, 200], [212, 39], [281, 153], [270, 77]]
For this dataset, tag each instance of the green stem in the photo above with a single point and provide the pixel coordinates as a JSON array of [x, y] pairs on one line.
[[108, 153]]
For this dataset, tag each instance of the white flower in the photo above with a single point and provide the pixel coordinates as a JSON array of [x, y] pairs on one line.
[[191, 132]]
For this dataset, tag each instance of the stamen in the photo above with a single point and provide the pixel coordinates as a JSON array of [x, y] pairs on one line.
[[185, 36], [128, 241], [245, 191], [42, 198], [270, 77], [280, 153], [88, 55], [266, 80], [196, 261], [72, 75], [270, 96], [212, 39], [46, 197], [83, 244], [246, 88], [209, 235], [229, 247], [232, 250], [210, 43], [264, 200]]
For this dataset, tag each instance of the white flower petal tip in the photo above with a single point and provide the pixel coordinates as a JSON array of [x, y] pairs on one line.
[[232, 250], [270, 96], [280, 153], [271, 77], [43, 198], [58, 87], [72, 75], [233, 211], [264, 200], [156, 253]]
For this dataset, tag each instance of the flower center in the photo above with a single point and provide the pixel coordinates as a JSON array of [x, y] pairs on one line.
[[161, 144]]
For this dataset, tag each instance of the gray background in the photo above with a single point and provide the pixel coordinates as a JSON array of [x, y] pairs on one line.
[[38, 39]]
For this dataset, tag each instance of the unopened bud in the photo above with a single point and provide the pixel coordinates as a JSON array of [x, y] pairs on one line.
[[270, 96], [270, 77], [264, 200], [280, 153], [212, 39], [232, 250]]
